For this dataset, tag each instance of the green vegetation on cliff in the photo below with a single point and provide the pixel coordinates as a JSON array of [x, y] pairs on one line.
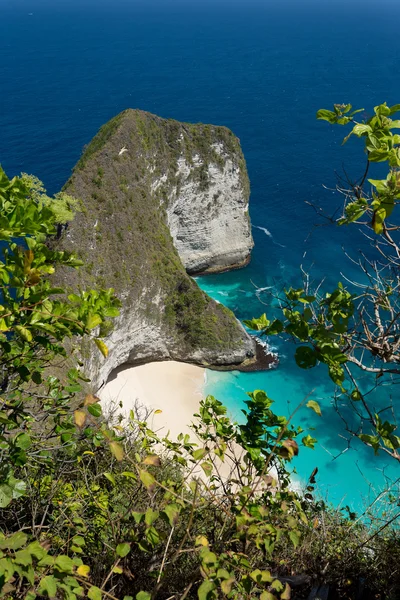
[[124, 180]]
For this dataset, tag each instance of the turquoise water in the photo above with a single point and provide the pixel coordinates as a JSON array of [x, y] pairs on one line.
[[261, 68], [347, 474]]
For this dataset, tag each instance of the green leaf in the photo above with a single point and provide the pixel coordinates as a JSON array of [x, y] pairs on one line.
[[261, 576], [305, 357], [294, 537], [93, 320], [23, 557], [95, 593], [361, 129], [378, 220], [6, 496], [13, 542], [24, 333], [147, 479], [326, 115], [151, 516], [207, 590], [94, 409], [64, 563], [199, 453], [123, 549], [309, 441], [110, 478], [257, 324], [143, 596], [78, 540], [277, 585], [275, 328], [207, 468], [314, 406], [48, 586], [172, 511]]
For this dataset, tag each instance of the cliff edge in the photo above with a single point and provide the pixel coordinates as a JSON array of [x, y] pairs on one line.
[[159, 198]]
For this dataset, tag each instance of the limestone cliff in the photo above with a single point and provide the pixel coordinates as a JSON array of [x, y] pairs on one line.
[[157, 193], [207, 210]]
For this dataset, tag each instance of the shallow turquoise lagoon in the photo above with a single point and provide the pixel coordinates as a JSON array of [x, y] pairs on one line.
[[348, 474]]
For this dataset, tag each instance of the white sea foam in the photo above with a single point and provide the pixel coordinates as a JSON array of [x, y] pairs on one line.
[[268, 350], [269, 234], [260, 290]]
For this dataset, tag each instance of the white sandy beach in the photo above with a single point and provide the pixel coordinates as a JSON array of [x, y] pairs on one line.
[[174, 388]]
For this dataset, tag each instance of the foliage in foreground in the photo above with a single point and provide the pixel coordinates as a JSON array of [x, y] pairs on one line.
[[209, 518], [354, 329]]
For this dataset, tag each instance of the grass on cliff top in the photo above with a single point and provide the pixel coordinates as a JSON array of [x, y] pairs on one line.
[[100, 139]]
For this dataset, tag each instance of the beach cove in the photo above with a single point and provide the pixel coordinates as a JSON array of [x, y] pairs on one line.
[[171, 387]]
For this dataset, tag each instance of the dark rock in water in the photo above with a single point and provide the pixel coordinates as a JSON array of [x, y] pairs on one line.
[[161, 197]]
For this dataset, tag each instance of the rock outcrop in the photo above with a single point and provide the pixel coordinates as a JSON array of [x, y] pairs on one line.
[[207, 211], [160, 197]]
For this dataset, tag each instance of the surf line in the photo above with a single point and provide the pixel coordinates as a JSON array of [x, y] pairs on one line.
[[269, 234]]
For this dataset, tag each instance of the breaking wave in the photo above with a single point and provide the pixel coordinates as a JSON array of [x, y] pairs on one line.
[[269, 234]]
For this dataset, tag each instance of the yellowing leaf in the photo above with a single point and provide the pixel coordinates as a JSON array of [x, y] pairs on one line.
[[117, 450], [34, 277], [315, 406], [267, 596], [79, 418], [102, 347], [24, 333], [207, 468], [83, 570], [117, 570], [201, 540], [158, 411], [28, 259], [152, 459], [90, 399], [292, 447]]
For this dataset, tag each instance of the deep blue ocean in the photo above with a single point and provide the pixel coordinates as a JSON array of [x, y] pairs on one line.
[[262, 69]]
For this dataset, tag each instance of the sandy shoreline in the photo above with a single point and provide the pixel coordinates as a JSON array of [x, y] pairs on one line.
[[174, 388]]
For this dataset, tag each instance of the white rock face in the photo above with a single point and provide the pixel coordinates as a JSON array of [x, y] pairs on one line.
[[208, 219]]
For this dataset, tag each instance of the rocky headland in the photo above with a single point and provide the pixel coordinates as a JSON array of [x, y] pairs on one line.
[[161, 199]]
